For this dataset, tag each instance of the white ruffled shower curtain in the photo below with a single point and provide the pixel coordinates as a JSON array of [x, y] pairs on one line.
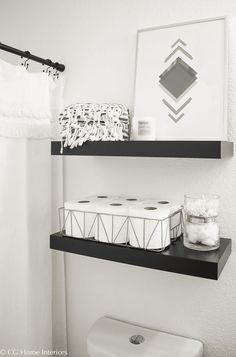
[[25, 263], [25, 209]]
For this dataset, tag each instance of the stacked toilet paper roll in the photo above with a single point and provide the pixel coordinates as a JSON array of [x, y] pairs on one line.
[[104, 217], [175, 216], [149, 226], [112, 222], [131, 200], [80, 218], [99, 197]]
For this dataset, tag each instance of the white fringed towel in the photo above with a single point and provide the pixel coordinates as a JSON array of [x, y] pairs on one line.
[[85, 121]]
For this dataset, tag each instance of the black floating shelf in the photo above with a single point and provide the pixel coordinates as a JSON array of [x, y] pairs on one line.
[[176, 259], [177, 149]]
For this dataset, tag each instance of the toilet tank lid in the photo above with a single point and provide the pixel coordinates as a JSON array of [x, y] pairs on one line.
[[111, 338]]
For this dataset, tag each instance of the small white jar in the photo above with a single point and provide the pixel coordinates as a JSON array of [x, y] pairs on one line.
[[201, 230]]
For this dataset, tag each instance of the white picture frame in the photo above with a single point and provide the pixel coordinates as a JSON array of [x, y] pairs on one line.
[[181, 81]]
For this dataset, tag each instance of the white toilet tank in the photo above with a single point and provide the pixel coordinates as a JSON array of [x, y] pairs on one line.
[[112, 338]]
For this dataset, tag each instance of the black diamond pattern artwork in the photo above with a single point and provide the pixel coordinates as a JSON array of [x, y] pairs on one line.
[[178, 77], [177, 80]]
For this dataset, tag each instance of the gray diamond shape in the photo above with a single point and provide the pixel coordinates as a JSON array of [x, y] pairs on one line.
[[178, 77]]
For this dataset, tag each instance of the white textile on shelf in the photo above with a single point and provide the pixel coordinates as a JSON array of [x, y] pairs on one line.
[[83, 122]]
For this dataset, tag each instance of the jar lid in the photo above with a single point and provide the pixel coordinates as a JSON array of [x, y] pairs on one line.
[[200, 220], [202, 196]]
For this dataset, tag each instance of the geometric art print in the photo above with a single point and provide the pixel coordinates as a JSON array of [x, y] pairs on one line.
[[181, 81], [177, 79]]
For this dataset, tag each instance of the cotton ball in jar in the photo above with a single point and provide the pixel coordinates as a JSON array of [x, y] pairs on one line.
[[192, 232]]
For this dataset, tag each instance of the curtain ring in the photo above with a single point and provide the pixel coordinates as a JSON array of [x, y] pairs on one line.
[[49, 66], [26, 63]]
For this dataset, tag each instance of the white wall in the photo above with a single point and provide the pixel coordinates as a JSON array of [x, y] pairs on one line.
[[96, 40]]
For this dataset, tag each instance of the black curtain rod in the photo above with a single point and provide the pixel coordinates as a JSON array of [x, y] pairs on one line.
[[26, 54]]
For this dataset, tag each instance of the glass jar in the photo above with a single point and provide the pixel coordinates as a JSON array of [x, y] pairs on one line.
[[201, 230]]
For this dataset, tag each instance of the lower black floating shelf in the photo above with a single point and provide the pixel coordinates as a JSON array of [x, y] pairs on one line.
[[176, 259]]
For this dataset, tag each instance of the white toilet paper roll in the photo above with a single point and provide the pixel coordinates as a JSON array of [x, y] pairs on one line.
[[80, 224], [112, 222], [100, 197], [175, 219], [149, 226], [131, 200]]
